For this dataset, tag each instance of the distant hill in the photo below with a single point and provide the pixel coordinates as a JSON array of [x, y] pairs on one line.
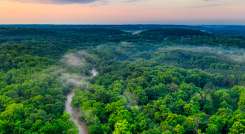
[[172, 32]]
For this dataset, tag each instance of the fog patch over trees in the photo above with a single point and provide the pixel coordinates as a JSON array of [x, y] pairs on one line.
[[235, 54]]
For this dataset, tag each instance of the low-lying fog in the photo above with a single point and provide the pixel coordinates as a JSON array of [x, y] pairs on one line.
[[235, 54]]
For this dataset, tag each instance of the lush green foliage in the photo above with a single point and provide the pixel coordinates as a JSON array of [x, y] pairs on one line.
[[156, 81], [31, 100], [147, 98]]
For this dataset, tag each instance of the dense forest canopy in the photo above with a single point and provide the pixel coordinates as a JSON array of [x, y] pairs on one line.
[[151, 79]]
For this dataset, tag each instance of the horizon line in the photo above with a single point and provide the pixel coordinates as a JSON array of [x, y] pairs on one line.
[[116, 24]]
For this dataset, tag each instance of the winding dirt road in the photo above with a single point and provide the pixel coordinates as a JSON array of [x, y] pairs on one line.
[[74, 112]]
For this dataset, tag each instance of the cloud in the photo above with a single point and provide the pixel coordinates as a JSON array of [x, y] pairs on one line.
[[73, 1], [209, 3], [59, 1], [70, 1]]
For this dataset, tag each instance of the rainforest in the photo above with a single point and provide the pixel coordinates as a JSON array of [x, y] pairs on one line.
[[122, 79]]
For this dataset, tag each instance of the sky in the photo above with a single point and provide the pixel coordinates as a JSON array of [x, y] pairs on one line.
[[122, 12]]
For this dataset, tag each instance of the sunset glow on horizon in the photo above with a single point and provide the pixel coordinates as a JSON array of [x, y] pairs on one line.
[[122, 12]]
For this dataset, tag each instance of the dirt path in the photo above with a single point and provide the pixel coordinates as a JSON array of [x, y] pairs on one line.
[[75, 114]]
